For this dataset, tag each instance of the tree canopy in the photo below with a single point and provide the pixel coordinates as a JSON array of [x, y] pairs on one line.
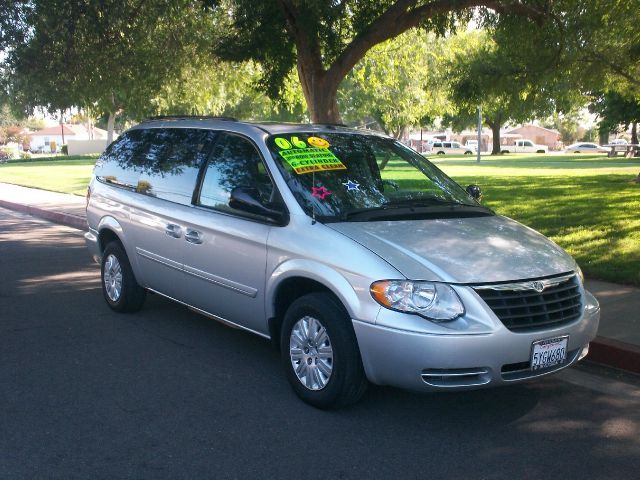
[[325, 40]]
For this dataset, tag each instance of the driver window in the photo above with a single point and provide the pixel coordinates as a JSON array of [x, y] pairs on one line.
[[234, 162]]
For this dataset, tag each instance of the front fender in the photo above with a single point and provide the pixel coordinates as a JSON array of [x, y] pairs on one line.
[[351, 289]]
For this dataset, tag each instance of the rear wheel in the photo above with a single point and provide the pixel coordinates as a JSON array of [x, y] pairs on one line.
[[320, 353], [440, 153], [119, 285]]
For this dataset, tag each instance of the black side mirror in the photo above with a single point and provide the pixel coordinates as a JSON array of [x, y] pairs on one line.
[[474, 192], [247, 199]]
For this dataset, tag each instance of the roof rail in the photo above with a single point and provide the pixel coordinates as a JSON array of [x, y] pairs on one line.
[[192, 117]]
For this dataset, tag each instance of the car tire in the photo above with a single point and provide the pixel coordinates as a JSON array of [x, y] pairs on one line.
[[503, 152], [468, 152], [540, 151], [320, 352], [119, 286], [440, 153]]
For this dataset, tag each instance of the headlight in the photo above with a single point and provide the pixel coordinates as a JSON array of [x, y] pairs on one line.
[[435, 301]]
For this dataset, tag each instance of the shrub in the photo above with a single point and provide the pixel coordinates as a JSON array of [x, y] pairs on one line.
[[24, 155], [64, 149]]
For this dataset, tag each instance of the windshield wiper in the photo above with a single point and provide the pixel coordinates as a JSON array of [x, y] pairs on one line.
[[424, 208]]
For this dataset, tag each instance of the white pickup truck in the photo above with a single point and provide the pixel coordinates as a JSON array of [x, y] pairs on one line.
[[524, 146]]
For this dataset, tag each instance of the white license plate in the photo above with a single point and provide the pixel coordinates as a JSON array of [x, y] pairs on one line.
[[549, 352]]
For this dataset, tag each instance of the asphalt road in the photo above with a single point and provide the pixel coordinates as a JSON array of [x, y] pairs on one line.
[[86, 393]]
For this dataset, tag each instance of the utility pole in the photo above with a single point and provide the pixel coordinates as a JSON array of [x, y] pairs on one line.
[[479, 134]]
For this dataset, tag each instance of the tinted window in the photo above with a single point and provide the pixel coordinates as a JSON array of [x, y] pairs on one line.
[[117, 166], [437, 144], [171, 162], [234, 162]]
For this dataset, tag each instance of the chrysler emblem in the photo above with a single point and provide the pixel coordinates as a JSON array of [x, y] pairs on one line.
[[538, 286]]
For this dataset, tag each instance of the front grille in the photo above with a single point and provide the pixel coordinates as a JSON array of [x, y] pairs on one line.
[[521, 308]]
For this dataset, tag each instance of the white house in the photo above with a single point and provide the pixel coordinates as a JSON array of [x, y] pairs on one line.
[[51, 139]]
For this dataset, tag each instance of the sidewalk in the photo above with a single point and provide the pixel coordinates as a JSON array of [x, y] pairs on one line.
[[617, 345]]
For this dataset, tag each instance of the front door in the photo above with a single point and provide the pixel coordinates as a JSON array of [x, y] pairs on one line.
[[226, 249]]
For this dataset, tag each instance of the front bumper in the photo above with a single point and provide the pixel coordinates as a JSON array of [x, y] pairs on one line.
[[427, 361]]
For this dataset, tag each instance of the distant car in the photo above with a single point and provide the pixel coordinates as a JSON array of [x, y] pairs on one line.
[[618, 141], [585, 147], [451, 148], [524, 146], [472, 144]]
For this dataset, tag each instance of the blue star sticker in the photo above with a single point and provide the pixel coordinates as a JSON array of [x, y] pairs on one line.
[[352, 185]]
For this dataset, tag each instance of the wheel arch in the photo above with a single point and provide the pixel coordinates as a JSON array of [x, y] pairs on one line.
[[296, 278], [109, 230]]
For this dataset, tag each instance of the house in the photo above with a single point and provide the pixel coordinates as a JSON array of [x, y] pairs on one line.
[[539, 135], [51, 139]]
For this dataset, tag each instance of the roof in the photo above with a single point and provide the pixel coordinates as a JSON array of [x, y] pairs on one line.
[[233, 124], [70, 130], [528, 125]]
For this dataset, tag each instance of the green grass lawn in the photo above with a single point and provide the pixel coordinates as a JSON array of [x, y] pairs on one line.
[[587, 204], [60, 174]]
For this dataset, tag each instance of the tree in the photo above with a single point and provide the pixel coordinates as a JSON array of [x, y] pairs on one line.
[[108, 55], [395, 85], [616, 109], [508, 88], [325, 40]]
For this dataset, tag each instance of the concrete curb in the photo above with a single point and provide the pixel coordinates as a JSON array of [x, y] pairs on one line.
[[615, 353], [66, 219]]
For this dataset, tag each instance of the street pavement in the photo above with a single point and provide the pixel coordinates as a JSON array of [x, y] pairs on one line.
[[617, 345], [166, 393]]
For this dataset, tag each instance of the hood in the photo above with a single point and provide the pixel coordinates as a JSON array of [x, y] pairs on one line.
[[461, 250]]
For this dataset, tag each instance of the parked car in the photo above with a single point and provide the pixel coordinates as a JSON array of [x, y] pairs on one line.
[[451, 148], [585, 147], [299, 235], [472, 144], [524, 146]]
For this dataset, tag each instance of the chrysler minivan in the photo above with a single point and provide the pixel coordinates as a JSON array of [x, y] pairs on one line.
[[357, 257]]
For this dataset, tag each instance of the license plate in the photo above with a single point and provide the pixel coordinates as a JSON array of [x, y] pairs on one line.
[[549, 352]]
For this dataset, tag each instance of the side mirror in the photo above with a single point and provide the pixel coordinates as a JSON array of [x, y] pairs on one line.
[[247, 199], [474, 192]]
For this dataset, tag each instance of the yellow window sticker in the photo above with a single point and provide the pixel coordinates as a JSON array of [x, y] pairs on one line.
[[307, 160]]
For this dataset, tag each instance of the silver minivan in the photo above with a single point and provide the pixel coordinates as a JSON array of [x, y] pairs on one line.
[[357, 257]]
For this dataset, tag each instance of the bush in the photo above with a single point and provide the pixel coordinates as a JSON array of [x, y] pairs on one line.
[[24, 155], [7, 154], [64, 149]]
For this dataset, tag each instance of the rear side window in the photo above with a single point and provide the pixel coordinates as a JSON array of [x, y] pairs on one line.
[[235, 162], [437, 144], [159, 162], [172, 161]]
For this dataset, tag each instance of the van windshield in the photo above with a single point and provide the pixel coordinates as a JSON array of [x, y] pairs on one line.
[[359, 177]]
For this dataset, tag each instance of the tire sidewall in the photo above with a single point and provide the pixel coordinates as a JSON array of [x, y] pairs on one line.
[[340, 331]]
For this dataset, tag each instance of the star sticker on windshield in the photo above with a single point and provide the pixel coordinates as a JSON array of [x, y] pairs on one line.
[[352, 185], [320, 192]]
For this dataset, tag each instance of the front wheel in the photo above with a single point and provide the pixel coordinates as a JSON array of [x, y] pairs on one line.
[[320, 352], [119, 285]]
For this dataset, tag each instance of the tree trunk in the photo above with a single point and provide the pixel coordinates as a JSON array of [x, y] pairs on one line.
[[322, 100], [495, 129], [634, 133], [110, 124]]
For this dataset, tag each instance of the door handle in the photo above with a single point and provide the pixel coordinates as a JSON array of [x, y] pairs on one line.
[[193, 236], [173, 230]]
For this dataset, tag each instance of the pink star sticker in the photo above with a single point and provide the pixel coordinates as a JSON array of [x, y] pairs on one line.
[[320, 192]]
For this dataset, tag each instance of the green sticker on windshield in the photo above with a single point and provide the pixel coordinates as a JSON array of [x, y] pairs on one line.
[[307, 160]]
